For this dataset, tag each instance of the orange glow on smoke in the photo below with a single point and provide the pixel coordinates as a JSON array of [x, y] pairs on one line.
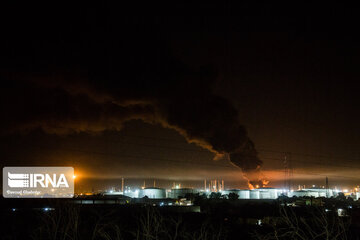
[[264, 183]]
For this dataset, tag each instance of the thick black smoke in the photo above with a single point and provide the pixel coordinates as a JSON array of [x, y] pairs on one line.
[[64, 106], [96, 69]]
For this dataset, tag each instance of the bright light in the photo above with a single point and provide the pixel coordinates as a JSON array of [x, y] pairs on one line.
[[345, 190], [74, 176]]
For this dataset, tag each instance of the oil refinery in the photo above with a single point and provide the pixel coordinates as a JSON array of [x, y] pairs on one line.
[[216, 186]]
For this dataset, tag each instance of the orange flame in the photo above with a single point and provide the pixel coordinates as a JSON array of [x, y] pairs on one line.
[[261, 183], [251, 187], [265, 182]]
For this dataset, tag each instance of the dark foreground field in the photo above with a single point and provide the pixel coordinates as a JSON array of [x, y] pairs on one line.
[[218, 219]]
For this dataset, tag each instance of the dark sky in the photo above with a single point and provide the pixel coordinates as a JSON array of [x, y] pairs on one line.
[[157, 90]]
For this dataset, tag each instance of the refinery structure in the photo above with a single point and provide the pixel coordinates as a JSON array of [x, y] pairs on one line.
[[216, 186], [258, 193]]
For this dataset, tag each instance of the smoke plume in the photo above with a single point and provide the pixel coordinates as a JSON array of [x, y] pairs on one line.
[[185, 103]]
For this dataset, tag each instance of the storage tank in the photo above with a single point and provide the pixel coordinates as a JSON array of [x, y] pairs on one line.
[[181, 192], [244, 194], [300, 193], [152, 192], [132, 194], [254, 194], [322, 194], [264, 194], [312, 193], [268, 193]]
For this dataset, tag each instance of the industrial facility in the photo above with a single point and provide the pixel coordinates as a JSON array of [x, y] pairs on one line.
[[258, 193], [217, 186], [152, 192]]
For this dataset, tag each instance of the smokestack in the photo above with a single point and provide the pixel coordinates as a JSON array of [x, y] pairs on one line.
[[222, 185], [122, 185], [205, 185], [154, 183]]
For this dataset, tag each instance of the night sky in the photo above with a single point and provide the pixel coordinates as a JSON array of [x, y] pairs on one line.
[[158, 91]]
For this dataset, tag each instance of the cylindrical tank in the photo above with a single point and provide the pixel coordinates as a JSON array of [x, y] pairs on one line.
[[300, 193], [254, 194], [181, 192], [322, 194], [244, 194], [312, 193], [274, 193], [264, 194], [152, 193]]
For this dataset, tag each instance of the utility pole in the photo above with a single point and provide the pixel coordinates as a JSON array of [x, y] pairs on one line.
[[122, 184], [288, 171]]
